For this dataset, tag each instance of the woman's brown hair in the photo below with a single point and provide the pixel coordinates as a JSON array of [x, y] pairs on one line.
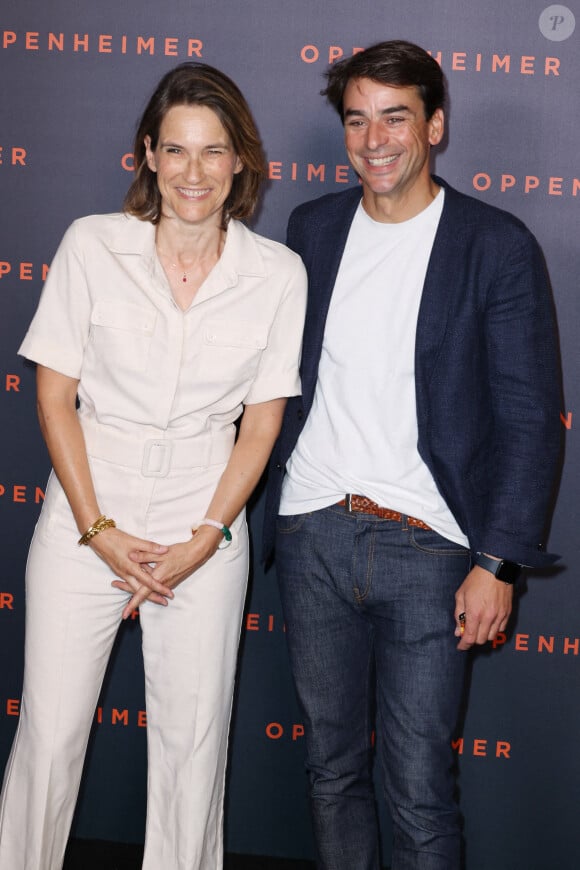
[[191, 84]]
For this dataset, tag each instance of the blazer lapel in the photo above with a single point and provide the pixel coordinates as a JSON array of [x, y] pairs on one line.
[[439, 290], [322, 257]]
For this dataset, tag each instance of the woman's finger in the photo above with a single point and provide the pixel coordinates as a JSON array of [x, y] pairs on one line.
[[137, 599], [149, 596]]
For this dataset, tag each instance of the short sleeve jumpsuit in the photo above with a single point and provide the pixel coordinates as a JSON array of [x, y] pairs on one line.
[[159, 392]]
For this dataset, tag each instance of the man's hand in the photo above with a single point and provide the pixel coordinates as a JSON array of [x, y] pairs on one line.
[[486, 603]]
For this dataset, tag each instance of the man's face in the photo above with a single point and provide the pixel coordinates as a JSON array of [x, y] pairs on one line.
[[387, 140]]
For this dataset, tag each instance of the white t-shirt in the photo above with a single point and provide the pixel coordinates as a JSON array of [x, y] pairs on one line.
[[361, 434]]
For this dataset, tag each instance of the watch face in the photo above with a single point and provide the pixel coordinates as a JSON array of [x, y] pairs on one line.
[[502, 569], [508, 571]]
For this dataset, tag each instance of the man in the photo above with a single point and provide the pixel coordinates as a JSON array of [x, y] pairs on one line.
[[419, 462]]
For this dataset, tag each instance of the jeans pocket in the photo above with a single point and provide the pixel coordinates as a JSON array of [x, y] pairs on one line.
[[429, 541], [290, 523]]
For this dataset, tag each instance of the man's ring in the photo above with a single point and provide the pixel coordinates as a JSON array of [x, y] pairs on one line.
[[461, 619]]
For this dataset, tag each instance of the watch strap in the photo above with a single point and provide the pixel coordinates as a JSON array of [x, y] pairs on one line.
[[503, 569]]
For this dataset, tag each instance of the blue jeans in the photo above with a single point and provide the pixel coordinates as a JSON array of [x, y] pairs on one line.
[[368, 605]]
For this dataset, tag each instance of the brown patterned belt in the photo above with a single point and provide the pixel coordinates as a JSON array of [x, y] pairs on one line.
[[360, 504]]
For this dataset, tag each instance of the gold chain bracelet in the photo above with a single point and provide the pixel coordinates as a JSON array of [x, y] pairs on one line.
[[99, 525]]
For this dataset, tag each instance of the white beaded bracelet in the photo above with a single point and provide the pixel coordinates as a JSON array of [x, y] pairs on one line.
[[221, 527]]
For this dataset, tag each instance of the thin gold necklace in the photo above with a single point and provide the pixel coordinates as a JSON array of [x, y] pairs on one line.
[[184, 272], [177, 269]]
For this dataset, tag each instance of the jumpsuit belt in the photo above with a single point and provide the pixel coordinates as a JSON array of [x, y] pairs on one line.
[[157, 456]]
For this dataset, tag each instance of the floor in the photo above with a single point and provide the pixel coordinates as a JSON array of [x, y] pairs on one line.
[[98, 855]]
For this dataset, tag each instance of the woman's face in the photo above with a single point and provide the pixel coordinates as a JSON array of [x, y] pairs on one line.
[[195, 164]]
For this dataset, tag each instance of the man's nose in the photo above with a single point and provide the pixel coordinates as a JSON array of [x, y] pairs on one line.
[[377, 135]]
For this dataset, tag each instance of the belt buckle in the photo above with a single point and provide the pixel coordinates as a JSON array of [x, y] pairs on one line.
[[348, 502], [156, 458]]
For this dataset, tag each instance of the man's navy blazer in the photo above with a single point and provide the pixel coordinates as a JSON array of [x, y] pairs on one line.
[[487, 374]]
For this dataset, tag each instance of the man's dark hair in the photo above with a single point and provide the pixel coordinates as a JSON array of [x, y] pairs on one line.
[[395, 63]]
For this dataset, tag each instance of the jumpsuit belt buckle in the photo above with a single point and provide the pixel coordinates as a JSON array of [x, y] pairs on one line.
[[156, 458]]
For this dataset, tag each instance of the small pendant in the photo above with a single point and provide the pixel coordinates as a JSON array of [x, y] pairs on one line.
[[184, 279]]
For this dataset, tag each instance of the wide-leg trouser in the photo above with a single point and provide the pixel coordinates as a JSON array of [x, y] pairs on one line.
[[368, 605], [189, 648]]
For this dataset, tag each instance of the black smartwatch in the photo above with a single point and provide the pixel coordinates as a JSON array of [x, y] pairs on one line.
[[509, 572]]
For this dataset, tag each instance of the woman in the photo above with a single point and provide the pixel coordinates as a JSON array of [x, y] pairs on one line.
[[166, 321]]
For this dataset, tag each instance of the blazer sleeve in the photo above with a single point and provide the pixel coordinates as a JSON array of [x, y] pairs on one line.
[[525, 393]]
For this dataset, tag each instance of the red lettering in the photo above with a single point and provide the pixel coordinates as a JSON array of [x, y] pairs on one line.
[[502, 749], [142, 719], [499, 639], [546, 643], [275, 171], [145, 44], [194, 46], [498, 62], [105, 41], [6, 601], [527, 66], [12, 383], [253, 622], [171, 44], [31, 41], [19, 494], [81, 42], [309, 53], [521, 642], [481, 181], [119, 716], [531, 182], [297, 731], [274, 731], [506, 182], [480, 748], [316, 171], [12, 707], [18, 156], [56, 40]]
